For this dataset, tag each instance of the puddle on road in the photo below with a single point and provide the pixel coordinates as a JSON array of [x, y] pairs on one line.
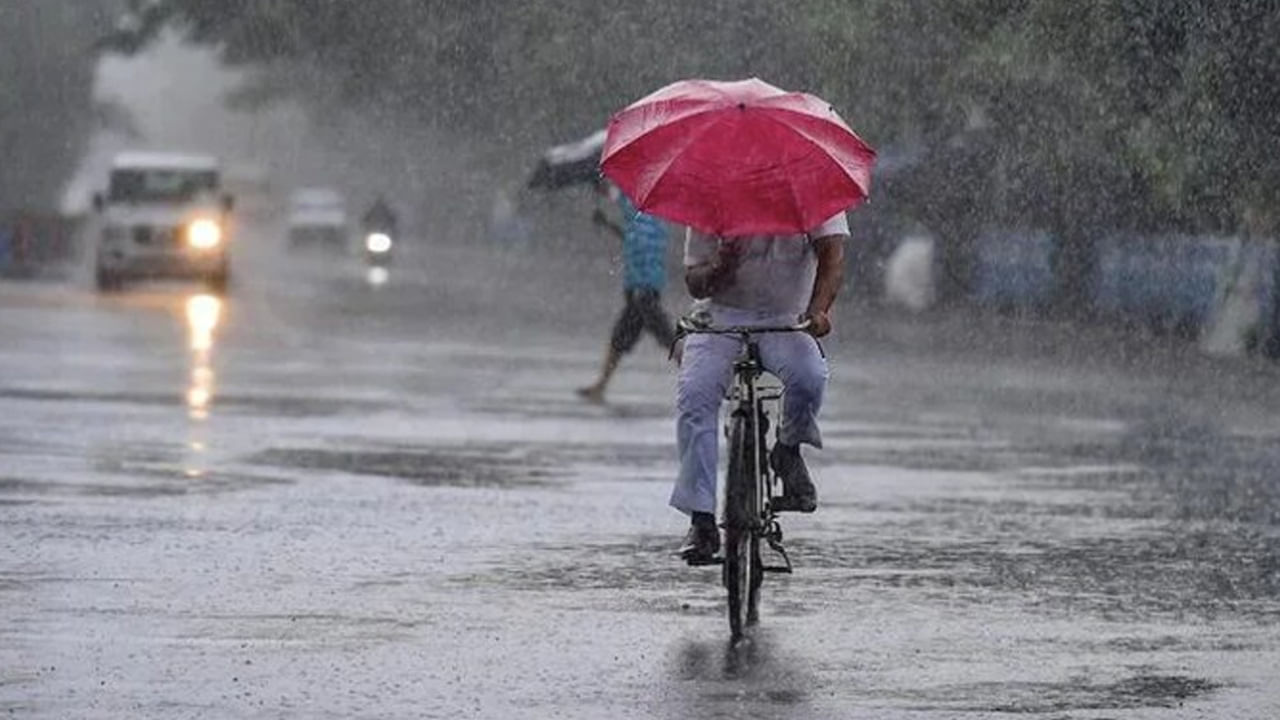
[[463, 466], [1169, 644], [303, 629], [1181, 469], [139, 483], [1171, 519], [485, 464], [1138, 691], [660, 457], [565, 406], [1123, 564], [18, 486], [939, 454], [257, 403], [1174, 573], [647, 562], [139, 470], [715, 677]]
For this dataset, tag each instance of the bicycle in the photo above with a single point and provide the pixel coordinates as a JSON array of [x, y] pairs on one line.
[[749, 513]]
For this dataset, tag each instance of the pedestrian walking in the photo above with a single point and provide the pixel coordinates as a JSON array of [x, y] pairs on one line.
[[644, 274]]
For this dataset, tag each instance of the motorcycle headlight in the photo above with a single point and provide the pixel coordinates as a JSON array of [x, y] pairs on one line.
[[377, 242], [204, 234]]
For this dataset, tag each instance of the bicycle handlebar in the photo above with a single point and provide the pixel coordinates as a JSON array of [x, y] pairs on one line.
[[689, 327]]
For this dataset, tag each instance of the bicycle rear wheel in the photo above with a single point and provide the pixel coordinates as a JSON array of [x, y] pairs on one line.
[[742, 572]]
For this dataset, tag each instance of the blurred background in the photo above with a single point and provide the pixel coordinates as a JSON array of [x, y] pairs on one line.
[[1112, 161]]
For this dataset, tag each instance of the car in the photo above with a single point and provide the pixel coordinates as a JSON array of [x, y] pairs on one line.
[[318, 219], [163, 215]]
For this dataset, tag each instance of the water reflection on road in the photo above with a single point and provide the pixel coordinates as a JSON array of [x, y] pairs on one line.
[[377, 276], [203, 313]]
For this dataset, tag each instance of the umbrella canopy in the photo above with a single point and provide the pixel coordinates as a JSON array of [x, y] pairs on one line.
[[574, 163], [737, 158]]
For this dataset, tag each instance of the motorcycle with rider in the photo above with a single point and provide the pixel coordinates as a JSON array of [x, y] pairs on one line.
[[380, 231]]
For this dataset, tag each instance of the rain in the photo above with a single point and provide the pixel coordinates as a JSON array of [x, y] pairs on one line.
[[336, 376]]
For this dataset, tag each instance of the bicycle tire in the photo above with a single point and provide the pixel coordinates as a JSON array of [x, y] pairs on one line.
[[757, 579], [762, 491], [741, 550], [737, 574]]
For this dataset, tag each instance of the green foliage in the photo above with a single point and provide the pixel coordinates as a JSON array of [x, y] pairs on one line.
[[496, 67], [46, 96], [1140, 112]]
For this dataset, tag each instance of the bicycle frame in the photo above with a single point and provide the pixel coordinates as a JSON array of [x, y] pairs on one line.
[[749, 395], [749, 481]]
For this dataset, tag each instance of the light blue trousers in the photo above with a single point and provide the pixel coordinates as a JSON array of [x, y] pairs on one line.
[[705, 374]]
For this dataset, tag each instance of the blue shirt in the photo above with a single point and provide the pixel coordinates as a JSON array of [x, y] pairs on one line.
[[644, 249]]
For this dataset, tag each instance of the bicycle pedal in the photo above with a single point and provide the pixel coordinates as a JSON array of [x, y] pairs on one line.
[[775, 544], [784, 569]]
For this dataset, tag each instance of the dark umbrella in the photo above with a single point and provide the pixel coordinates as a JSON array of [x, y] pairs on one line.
[[574, 163]]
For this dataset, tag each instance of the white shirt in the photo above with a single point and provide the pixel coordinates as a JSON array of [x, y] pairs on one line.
[[775, 276]]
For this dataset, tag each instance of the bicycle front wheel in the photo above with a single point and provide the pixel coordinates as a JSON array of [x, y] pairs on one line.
[[739, 569], [742, 572]]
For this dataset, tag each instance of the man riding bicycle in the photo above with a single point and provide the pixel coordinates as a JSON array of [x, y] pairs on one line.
[[760, 281]]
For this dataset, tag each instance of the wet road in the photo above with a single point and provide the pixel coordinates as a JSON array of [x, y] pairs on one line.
[[324, 499]]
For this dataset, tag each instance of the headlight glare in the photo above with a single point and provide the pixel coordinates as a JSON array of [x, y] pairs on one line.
[[204, 234]]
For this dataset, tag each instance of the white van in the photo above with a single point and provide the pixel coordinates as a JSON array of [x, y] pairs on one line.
[[163, 216]]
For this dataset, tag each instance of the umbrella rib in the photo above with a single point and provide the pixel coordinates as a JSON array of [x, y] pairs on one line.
[[673, 157], [638, 136], [808, 137]]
